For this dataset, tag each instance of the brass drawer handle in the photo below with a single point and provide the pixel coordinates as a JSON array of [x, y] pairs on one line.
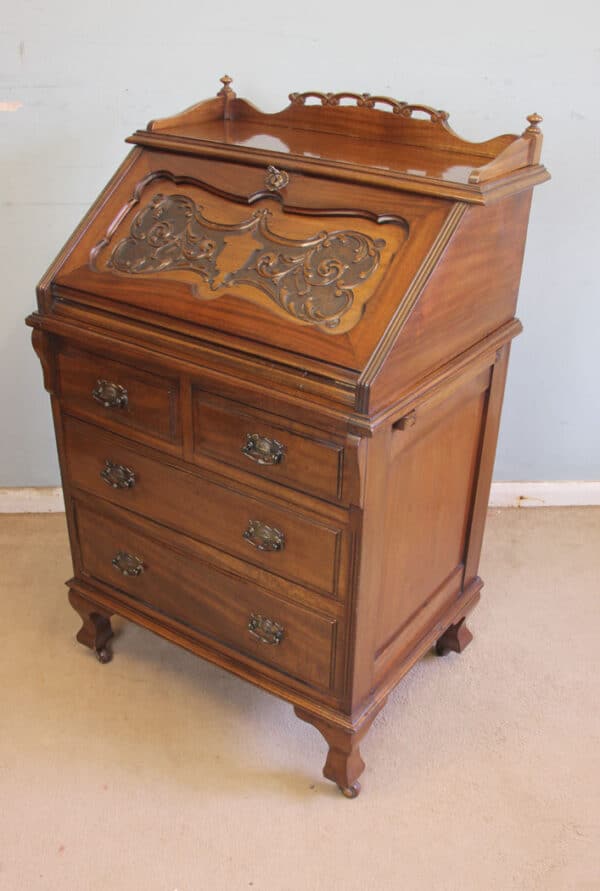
[[276, 179], [110, 395], [263, 537], [128, 564], [265, 630], [117, 475], [263, 450]]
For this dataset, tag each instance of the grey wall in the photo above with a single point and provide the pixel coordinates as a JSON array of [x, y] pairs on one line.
[[88, 74]]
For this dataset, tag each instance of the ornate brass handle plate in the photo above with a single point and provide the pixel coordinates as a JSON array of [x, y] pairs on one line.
[[110, 395], [276, 179], [128, 564], [263, 450], [117, 475], [263, 537], [265, 630]]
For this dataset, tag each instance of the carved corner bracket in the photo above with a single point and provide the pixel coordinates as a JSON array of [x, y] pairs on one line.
[[42, 344]]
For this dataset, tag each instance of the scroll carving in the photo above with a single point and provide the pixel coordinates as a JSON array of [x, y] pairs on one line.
[[366, 100], [312, 280]]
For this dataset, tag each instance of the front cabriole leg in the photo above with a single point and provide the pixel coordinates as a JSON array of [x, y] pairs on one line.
[[96, 630], [344, 764]]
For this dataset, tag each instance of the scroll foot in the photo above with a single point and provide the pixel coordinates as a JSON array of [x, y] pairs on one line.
[[454, 639], [344, 764], [96, 630]]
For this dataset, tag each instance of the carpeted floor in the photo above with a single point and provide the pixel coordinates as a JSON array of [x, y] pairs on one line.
[[160, 772]]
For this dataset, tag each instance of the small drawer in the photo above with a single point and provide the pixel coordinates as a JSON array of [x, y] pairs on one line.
[[303, 548], [120, 396], [229, 432], [224, 607]]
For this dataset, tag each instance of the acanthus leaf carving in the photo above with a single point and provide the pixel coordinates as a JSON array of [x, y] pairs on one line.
[[312, 279]]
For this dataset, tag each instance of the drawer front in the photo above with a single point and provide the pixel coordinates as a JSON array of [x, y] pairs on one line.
[[224, 607], [289, 544], [233, 434], [120, 396]]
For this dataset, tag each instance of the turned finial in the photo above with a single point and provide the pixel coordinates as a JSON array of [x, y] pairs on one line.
[[226, 89], [534, 119]]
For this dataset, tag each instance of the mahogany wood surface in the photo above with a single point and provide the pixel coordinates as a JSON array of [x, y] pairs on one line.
[[206, 599], [314, 551], [302, 210], [222, 428], [149, 406], [392, 142], [276, 349]]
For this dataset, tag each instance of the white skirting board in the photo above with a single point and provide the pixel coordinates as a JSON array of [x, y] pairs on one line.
[[557, 493], [32, 500], [554, 493]]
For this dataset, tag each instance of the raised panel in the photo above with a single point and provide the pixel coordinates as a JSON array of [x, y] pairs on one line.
[[432, 472]]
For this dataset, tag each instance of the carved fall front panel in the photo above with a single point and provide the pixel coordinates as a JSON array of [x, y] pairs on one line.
[[321, 276]]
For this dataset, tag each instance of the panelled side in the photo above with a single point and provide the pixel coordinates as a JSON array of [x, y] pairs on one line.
[[432, 478]]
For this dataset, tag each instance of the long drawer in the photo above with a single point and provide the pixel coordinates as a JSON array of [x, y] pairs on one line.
[[302, 548], [224, 607]]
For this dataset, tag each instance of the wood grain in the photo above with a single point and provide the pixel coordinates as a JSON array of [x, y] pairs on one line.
[[315, 551], [276, 349]]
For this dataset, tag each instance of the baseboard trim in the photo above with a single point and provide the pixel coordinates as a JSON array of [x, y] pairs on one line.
[[32, 500], [557, 493], [554, 493]]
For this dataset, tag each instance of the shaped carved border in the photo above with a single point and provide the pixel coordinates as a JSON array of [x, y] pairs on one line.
[[312, 280]]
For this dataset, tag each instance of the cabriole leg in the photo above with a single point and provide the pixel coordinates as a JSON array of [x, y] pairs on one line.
[[344, 764], [96, 630], [454, 639]]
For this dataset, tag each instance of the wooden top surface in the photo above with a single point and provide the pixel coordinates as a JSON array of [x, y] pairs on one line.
[[357, 138], [387, 156]]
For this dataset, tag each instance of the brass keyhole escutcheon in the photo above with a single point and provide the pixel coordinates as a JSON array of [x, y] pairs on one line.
[[276, 179]]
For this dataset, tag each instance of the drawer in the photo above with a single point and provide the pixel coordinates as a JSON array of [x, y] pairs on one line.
[[120, 396], [297, 546], [224, 607], [232, 433]]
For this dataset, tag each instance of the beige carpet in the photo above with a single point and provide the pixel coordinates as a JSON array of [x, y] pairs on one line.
[[160, 772]]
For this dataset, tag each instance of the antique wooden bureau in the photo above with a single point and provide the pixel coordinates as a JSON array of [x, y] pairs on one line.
[[276, 348]]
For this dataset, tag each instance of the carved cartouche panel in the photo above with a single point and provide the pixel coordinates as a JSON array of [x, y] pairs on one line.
[[312, 279]]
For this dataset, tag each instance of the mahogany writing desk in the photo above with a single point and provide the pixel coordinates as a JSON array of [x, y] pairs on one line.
[[276, 348]]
